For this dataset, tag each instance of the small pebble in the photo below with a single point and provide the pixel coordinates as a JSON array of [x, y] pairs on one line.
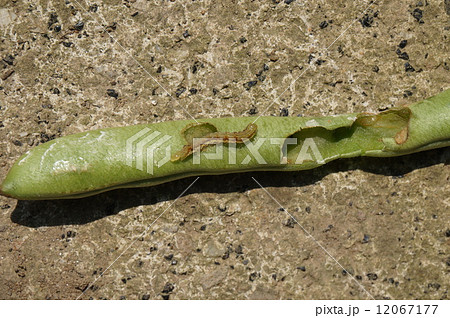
[[323, 24], [112, 93], [402, 55], [284, 112], [418, 14], [253, 111], [79, 26], [302, 268], [402, 44], [409, 68], [372, 276]]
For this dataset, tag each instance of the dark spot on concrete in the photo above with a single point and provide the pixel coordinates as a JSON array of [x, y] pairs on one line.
[[418, 14], [112, 93], [9, 59], [289, 223], [168, 288], [409, 68], [17, 143], [366, 238], [253, 111], [93, 8], [284, 112], [159, 69], [169, 257], [288, 1], [134, 14], [403, 44], [320, 62], [52, 19], [250, 84], [55, 91], [242, 40], [186, 34], [402, 55], [146, 297], [193, 91], [405, 94], [203, 227], [372, 276], [239, 250], [367, 20], [180, 91], [67, 44], [435, 286], [323, 24], [79, 26], [253, 276], [302, 268]]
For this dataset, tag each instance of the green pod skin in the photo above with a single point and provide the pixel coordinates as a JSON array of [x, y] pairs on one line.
[[92, 162]]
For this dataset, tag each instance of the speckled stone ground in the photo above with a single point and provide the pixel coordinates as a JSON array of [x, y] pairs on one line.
[[75, 65]]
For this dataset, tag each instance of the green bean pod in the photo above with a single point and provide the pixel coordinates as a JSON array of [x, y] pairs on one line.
[[92, 162]]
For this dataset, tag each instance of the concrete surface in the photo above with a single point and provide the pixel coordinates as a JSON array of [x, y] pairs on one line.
[[75, 65]]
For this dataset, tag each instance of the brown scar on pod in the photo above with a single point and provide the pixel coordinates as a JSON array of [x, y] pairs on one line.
[[201, 135]]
